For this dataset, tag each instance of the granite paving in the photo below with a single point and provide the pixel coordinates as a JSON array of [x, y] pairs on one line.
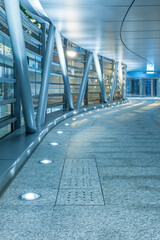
[[103, 182]]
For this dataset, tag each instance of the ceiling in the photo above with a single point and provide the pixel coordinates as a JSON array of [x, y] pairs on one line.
[[95, 25]]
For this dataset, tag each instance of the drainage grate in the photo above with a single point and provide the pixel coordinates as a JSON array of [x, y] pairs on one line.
[[80, 197], [80, 166], [80, 183]]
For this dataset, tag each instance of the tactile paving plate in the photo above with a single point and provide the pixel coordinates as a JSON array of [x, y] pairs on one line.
[[80, 173], [81, 197], [80, 183]]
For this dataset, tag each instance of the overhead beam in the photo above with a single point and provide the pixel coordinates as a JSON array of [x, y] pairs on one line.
[[84, 80], [64, 70], [20, 59], [113, 83], [100, 77], [42, 105]]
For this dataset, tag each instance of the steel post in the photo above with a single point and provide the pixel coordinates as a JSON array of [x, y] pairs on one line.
[[63, 65], [65, 106], [158, 87], [124, 88], [86, 91], [130, 86], [100, 77], [113, 82], [84, 80], [20, 59], [17, 104], [152, 87], [43, 41], [41, 112]]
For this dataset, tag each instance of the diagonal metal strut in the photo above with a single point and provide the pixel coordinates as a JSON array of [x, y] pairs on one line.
[[100, 77], [84, 80]]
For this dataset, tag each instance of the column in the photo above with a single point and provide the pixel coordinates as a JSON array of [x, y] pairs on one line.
[[152, 88], [158, 87], [100, 77], [20, 60], [42, 104], [113, 82], [63, 65], [84, 80]]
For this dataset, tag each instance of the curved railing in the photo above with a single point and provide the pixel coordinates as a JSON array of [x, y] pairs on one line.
[[11, 116]]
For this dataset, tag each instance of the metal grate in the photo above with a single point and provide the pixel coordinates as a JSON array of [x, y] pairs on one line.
[[80, 197], [80, 183]]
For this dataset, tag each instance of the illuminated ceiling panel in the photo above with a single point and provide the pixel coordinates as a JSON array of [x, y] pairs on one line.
[[95, 25]]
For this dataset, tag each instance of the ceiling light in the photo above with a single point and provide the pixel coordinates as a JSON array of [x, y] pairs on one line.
[[94, 107], [82, 115], [71, 53], [150, 69], [30, 196], [45, 161], [59, 132], [54, 144]]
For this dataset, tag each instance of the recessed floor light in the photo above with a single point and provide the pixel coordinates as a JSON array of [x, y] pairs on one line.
[[90, 111], [98, 110], [66, 124], [59, 132], [73, 119], [82, 115], [45, 161], [30, 196], [85, 109], [75, 112], [29, 151], [54, 144]]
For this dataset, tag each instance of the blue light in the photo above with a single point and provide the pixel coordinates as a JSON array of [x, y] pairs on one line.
[[150, 68]]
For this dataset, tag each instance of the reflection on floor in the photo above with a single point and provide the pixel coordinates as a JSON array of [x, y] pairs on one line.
[[103, 182]]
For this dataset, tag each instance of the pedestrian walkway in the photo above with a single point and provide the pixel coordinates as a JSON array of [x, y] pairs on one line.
[[103, 183]]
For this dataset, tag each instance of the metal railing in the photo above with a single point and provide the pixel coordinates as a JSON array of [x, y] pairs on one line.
[[10, 107]]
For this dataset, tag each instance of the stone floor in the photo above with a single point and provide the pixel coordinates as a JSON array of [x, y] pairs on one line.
[[103, 184]]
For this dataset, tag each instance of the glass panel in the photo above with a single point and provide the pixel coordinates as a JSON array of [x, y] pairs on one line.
[[7, 51], [1, 91], [94, 92], [5, 110], [1, 45], [4, 131], [8, 90]]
